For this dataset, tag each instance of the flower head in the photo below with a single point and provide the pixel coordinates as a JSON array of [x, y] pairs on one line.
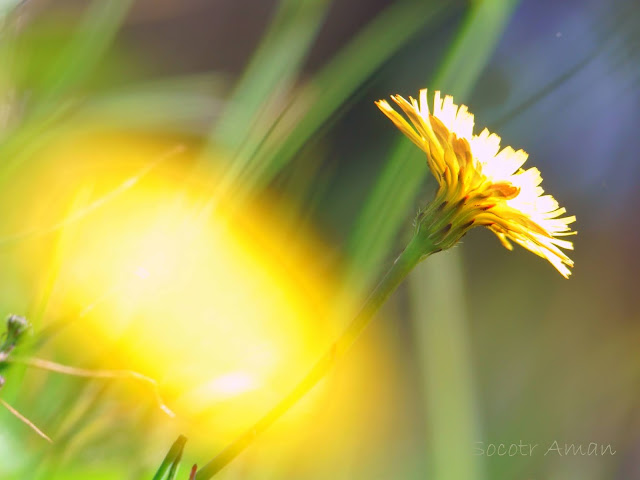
[[481, 184]]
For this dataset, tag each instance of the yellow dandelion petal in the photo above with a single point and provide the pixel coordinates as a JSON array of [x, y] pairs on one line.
[[482, 184], [399, 122]]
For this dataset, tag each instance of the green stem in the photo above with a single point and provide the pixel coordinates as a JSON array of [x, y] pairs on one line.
[[419, 248]]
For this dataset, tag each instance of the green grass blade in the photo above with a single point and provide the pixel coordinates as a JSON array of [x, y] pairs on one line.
[[90, 42], [474, 46], [171, 460], [390, 205], [335, 83], [84, 52], [440, 329], [272, 69], [182, 103]]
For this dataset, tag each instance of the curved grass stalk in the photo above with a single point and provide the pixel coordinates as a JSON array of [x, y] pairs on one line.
[[25, 420], [97, 373], [95, 205]]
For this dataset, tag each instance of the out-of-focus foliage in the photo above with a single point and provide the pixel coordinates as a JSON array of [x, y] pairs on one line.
[[202, 192]]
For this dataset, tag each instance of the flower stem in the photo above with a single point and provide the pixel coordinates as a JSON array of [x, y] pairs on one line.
[[418, 248]]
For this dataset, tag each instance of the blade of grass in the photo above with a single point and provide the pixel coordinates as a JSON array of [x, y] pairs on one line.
[[25, 420], [171, 460], [90, 42], [337, 81], [73, 417], [439, 325], [474, 46], [273, 67], [182, 102]]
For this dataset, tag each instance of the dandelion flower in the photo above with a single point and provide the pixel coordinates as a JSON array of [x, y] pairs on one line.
[[479, 184]]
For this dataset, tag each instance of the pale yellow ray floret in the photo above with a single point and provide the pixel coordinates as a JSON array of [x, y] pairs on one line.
[[481, 183]]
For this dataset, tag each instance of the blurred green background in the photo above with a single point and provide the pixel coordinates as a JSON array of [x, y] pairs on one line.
[[480, 346]]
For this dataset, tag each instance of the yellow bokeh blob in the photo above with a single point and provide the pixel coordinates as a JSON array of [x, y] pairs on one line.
[[224, 306]]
